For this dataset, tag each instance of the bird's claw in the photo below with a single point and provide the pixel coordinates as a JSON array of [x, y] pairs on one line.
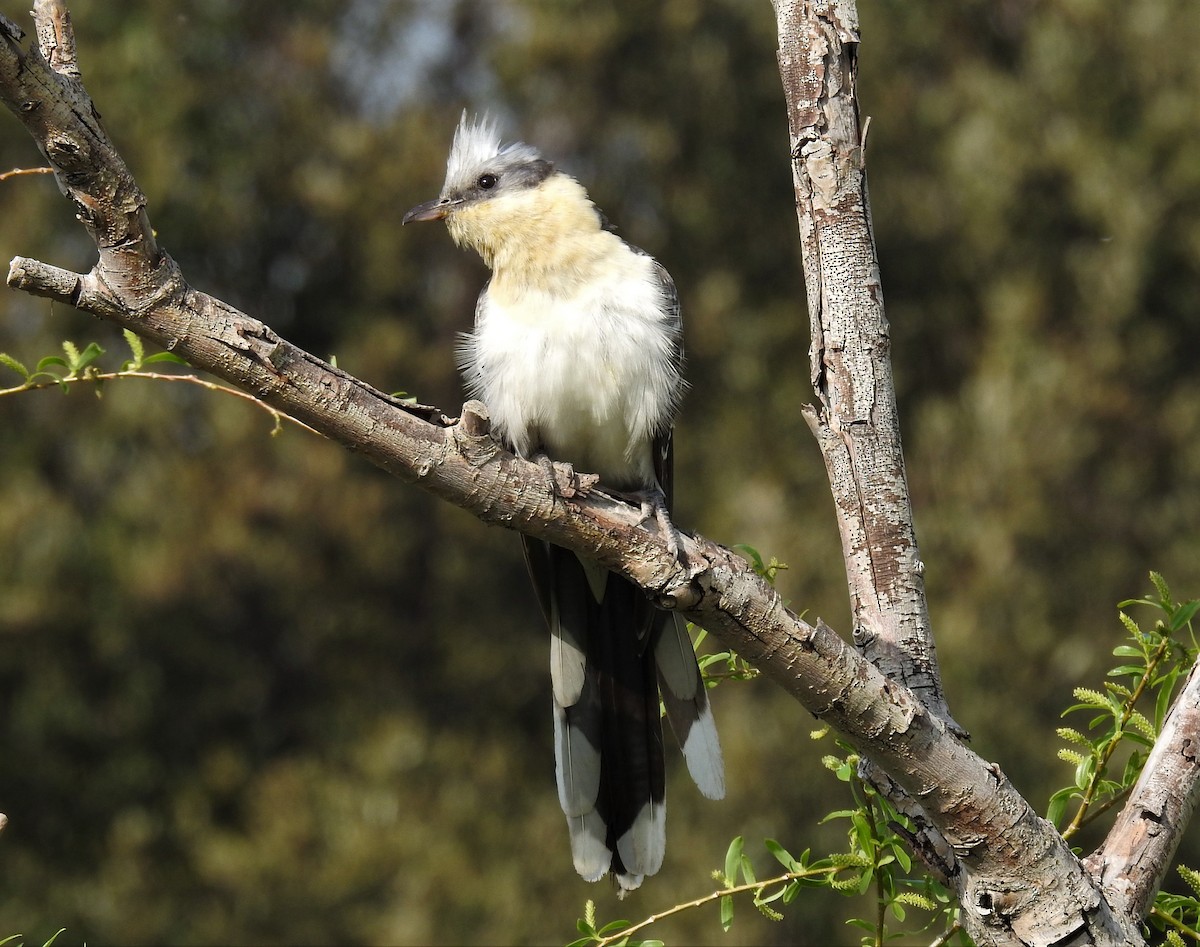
[[654, 506], [564, 481]]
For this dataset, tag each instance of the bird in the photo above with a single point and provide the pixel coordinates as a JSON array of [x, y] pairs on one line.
[[577, 352]]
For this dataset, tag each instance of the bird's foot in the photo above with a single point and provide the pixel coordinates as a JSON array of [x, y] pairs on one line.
[[654, 506], [564, 481]]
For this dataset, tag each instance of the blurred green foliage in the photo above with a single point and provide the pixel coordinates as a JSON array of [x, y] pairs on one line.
[[252, 690]]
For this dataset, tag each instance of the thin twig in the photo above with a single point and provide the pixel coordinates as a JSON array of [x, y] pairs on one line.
[[715, 896], [1179, 926], [279, 416], [947, 934], [18, 172]]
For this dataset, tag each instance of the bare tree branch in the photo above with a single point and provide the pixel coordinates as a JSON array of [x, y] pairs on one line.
[[857, 428], [856, 423]]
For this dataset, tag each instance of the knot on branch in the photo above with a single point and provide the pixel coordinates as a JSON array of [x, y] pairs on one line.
[[472, 435], [68, 153]]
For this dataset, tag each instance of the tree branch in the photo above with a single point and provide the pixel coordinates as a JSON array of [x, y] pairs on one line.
[[1136, 855], [1019, 883], [856, 424]]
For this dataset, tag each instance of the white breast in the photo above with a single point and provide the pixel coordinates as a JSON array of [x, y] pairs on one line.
[[587, 375]]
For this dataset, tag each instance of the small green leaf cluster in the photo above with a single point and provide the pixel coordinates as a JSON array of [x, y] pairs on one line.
[[1177, 915], [880, 863], [608, 935], [876, 861], [1129, 711], [1152, 664], [768, 569], [729, 665], [718, 666], [76, 365]]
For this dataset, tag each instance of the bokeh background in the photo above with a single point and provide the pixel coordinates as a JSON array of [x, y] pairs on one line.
[[254, 691]]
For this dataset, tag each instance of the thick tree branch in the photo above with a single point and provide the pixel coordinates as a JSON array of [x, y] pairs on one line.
[[856, 423], [998, 840], [857, 427], [1135, 857]]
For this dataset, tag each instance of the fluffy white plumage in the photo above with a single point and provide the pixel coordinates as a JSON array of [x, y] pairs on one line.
[[587, 375]]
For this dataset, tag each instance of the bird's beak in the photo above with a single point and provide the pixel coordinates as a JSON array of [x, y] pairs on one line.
[[435, 209]]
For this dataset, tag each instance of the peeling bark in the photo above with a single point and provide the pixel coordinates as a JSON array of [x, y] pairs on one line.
[[856, 421]]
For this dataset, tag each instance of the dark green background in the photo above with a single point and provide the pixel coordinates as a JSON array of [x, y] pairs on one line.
[[253, 690]]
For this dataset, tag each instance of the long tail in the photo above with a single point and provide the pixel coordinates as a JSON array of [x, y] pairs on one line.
[[610, 652]]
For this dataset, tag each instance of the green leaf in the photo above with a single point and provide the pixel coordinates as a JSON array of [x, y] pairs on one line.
[[1058, 805], [55, 360], [1133, 768], [82, 360], [165, 357], [726, 913], [1083, 772], [733, 857], [1184, 614], [782, 855], [862, 831], [775, 895], [747, 870], [1162, 703]]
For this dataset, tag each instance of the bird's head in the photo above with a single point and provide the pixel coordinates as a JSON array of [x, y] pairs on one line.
[[501, 196]]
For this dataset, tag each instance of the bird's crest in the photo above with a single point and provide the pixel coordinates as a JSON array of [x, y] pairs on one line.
[[476, 143]]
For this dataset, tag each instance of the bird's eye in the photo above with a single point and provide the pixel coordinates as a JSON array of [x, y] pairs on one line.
[[487, 181]]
